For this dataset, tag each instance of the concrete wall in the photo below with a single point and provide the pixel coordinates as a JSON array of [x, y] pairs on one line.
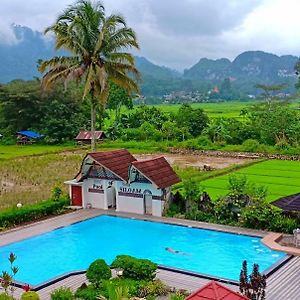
[[157, 208], [131, 205], [94, 193], [130, 198]]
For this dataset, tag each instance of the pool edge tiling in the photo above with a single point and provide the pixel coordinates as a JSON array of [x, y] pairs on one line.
[[184, 231]]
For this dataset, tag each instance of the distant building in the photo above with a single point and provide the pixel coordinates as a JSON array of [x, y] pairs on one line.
[[215, 90], [85, 137], [27, 137], [116, 180]]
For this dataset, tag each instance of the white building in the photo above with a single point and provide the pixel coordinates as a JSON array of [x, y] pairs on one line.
[[115, 179]]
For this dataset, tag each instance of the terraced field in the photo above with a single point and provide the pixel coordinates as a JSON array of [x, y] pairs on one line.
[[282, 178]]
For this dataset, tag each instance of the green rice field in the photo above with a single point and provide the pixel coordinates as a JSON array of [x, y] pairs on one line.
[[282, 178], [214, 110], [230, 109], [13, 151]]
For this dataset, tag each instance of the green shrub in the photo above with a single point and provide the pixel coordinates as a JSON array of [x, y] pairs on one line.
[[222, 211], [258, 216], [202, 216], [87, 293], [251, 145], [56, 193], [173, 210], [283, 224], [177, 296], [62, 294], [192, 144], [15, 216], [97, 272], [31, 295], [4, 296], [204, 142], [132, 286], [134, 268], [153, 288]]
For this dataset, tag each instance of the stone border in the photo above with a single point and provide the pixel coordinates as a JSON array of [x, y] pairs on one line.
[[229, 154], [271, 240]]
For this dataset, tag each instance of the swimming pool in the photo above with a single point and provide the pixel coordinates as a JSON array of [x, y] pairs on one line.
[[74, 247]]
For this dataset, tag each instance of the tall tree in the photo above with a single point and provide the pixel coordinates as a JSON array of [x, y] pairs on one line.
[[117, 98], [98, 46], [269, 90]]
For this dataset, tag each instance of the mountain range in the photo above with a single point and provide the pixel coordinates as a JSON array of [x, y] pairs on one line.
[[19, 61]]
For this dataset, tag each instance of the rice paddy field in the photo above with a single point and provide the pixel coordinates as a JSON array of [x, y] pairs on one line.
[[12, 151], [230, 109], [282, 178], [214, 110], [29, 173]]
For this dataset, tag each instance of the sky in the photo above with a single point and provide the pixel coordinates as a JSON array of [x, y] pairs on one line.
[[177, 33]]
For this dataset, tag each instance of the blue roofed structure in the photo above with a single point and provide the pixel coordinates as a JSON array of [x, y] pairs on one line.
[[27, 136], [30, 134]]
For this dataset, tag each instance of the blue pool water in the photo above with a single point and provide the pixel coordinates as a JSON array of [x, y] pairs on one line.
[[74, 247]]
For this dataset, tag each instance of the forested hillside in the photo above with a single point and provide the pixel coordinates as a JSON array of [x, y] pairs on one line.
[[19, 60]]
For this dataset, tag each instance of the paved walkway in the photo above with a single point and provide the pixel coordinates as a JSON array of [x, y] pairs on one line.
[[282, 285]]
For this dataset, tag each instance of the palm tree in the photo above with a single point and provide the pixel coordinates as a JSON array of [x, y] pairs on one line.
[[98, 48]]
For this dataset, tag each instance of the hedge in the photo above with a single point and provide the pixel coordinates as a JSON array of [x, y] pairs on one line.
[[16, 216], [135, 268]]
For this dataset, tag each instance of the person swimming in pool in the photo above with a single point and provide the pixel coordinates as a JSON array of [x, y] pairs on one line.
[[171, 250]]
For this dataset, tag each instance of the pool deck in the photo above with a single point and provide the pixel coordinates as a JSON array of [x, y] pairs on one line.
[[283, 284]]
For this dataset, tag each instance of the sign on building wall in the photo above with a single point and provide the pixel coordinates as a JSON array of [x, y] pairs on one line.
[[97, 187]]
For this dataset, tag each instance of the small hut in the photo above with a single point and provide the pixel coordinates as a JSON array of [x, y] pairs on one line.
[[28, 137], [85, 137]]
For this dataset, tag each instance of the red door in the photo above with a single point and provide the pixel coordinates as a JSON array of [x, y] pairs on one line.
[[76, 195]]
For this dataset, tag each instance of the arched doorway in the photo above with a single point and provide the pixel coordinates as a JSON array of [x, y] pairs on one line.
[[111, 197], [147, 202]]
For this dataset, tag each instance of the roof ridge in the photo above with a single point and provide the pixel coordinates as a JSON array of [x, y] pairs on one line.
[[215, 288], [214, 285], [111, 151], [150, 159]]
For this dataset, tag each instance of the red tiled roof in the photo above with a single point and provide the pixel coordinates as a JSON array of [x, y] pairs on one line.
[[117, 161], [158, 171], [87, 135], [215, 291]]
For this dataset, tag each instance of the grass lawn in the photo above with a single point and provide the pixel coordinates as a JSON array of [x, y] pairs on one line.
[[282, 178], [13, 151]]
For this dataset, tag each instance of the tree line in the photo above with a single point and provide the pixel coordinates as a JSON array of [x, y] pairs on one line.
[[61, 113]]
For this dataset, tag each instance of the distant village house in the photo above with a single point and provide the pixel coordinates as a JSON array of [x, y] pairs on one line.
[[85, 137], [116, 180], [28, 137]]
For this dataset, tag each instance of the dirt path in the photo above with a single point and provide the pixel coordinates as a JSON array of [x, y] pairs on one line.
[[198, 161]]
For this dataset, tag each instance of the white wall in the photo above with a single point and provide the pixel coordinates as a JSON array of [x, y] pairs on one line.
[[136, 205], [131, 205], [96, 200], [157, 208]]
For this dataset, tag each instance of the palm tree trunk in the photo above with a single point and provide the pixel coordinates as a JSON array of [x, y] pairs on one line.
[[93, 125]]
